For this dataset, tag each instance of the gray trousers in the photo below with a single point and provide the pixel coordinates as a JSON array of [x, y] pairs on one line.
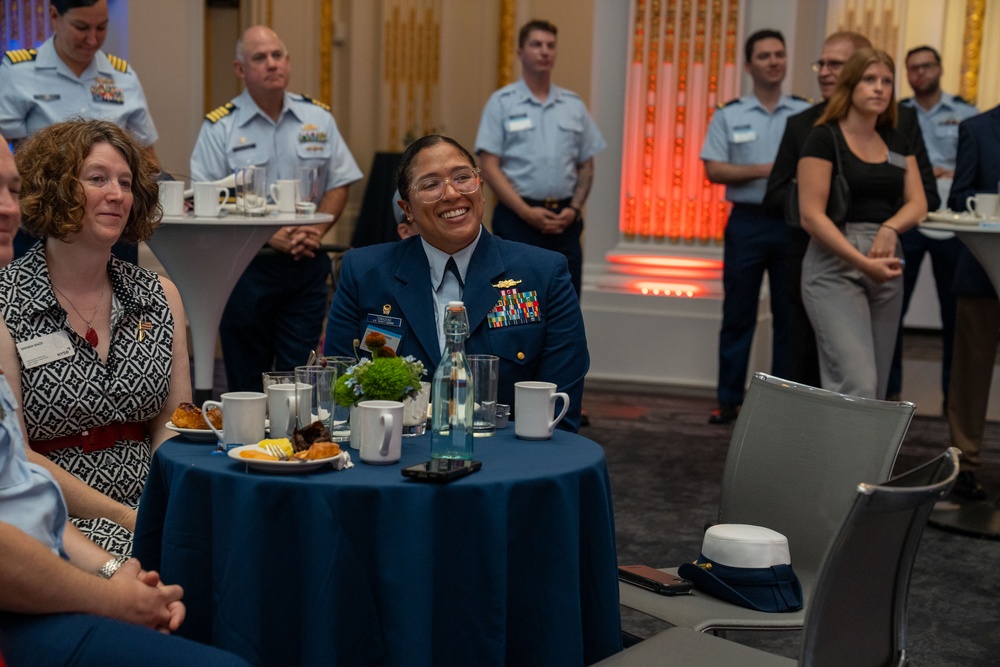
[[855, 319]]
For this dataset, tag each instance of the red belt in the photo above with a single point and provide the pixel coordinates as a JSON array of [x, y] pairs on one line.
[[94, 439]]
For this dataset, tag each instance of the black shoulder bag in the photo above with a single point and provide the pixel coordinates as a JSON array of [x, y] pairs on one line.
[[837, 203]]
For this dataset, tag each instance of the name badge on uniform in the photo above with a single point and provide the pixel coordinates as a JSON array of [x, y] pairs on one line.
[[897, 160], [45, 349], [384, 320], [392, 340], [48, 97], [519, 123], [743, 135]]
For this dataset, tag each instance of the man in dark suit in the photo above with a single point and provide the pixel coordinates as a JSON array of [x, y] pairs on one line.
[[803, 359], [977, 311], [519, 299]]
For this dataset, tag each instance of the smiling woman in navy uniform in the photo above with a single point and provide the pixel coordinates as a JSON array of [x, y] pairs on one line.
[[519, 299], [68, 76]]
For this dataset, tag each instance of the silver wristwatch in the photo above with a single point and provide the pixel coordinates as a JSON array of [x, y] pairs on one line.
[[109, 568]]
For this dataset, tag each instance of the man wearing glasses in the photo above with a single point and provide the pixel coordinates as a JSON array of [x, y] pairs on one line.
[[939, 115], [519, 299], [274, 317], [803, 359], [537, 144]]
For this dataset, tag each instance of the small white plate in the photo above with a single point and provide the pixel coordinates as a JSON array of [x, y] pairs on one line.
[[962, 218], [199, 434], [282, 467]]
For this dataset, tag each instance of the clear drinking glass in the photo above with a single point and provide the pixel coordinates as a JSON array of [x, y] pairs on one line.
[[340, 424], [307, 197], [320, 380], [485, 373]]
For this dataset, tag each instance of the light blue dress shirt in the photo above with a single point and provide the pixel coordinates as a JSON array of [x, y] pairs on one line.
[[30, 499], [539, 145], [743, 131], [240, 134], [38, 89], [444, 286], [939, 126]]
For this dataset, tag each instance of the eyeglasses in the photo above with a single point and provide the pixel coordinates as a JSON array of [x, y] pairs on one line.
[[921, 67], [430, 190], [832, 65]]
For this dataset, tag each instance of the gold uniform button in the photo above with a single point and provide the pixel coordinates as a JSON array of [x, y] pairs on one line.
[[520, 356]]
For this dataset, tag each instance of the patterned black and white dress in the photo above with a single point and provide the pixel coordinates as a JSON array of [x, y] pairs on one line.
[[80, 392]]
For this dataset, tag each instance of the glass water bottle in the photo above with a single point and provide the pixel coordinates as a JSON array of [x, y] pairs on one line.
[[452, 394]]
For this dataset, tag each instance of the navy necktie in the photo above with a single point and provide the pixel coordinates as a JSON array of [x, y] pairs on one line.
[[453, 268]]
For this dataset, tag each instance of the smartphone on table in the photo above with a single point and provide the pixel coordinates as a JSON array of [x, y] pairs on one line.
[[654, 580], [441, 470]]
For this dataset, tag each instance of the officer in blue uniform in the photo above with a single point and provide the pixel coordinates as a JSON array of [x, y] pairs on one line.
[[939, 115], [738, 152], [67, 76], [536, 144], [274, 316], [519, 299]]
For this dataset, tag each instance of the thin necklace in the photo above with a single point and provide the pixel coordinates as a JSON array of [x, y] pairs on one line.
[[91, 335]]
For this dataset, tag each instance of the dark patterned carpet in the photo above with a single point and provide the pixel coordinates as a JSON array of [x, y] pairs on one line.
[[666, 466]]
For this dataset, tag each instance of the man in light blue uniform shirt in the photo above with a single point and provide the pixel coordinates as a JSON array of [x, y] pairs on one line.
[[939, 115], [738, 152], [67, 76], [536, 144], [274, 316]]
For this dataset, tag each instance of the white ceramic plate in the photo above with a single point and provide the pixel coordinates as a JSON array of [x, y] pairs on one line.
[[281, 467], [199, 434]]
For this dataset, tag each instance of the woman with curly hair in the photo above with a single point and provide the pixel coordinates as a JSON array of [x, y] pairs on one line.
[[94, 348], [852, 274]]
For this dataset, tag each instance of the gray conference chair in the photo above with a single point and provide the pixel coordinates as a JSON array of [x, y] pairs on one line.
[[796, 456], [858, 614]]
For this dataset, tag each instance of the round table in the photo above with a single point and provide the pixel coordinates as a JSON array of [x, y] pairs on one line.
[[982, 236], [512, 565], [205, 257]]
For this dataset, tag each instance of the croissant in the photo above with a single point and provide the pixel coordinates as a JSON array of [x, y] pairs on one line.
[[319, 450], [188, 415]]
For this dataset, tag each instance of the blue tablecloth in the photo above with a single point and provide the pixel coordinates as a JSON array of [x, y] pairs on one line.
[[512, 565]]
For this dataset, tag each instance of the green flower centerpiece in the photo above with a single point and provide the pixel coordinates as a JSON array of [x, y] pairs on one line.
[[385, 377]]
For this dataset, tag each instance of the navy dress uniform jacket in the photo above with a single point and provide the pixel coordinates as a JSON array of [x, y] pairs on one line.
[[395, 277]]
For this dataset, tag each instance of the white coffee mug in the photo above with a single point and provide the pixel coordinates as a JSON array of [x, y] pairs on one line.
[[983, 204], [242, 417], [283, 193], [209, 199], [283, 402], [381, 436], [534, 403], [172, 197]]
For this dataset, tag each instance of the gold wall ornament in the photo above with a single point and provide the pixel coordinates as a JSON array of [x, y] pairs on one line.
[[411, 61], [507, 41], [876, 19], [326, 33], [972, 43]]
